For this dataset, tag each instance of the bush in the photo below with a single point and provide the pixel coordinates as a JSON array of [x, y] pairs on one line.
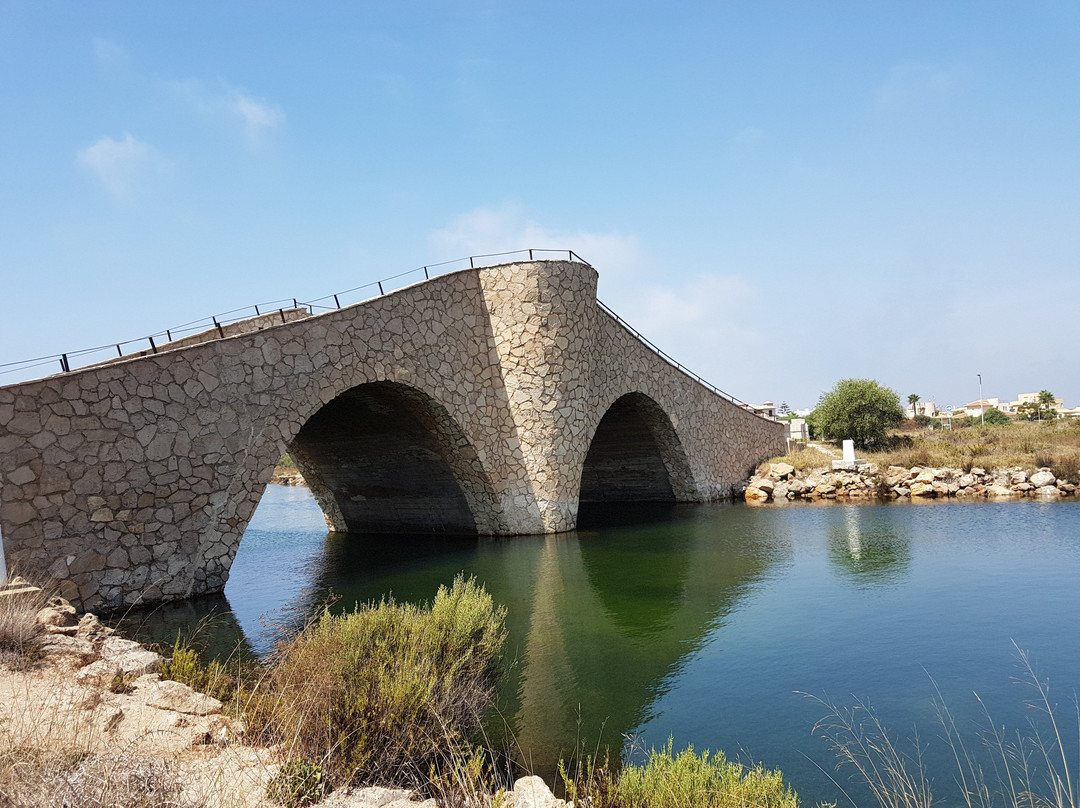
[[389, 692], [686, 780], [859, 409]]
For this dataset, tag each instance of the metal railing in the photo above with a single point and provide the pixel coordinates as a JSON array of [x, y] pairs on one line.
[[218, 321], [669, 359], [154, 342]]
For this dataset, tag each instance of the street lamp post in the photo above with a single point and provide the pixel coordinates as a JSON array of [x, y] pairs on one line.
[[982, 417]]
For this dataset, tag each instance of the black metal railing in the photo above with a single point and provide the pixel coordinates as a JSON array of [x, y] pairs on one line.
[[154, 342], [280, 307], [669, 359]]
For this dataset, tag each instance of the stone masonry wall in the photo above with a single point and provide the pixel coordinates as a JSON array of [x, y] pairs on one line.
[[134, 481]]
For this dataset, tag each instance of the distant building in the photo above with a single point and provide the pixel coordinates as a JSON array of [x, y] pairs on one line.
[[921, 408], [768, 409]]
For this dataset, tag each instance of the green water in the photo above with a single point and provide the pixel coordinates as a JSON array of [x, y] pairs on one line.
[[708, 623]]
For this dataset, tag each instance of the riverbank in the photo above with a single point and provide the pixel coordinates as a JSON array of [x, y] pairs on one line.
[[86, 718], [782, 482]]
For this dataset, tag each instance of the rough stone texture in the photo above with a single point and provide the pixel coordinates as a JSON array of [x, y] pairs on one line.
[[896, 482], [133, 481]]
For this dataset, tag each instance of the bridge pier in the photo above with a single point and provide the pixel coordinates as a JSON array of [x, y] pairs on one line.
[[463, 404]]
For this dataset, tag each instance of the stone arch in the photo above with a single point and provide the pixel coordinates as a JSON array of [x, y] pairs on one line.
[[384, 457], [636, 456]]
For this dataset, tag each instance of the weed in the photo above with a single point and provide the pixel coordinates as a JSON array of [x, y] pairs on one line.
[[297, 784]]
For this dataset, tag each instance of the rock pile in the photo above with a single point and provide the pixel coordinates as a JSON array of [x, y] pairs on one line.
[[778, 482]]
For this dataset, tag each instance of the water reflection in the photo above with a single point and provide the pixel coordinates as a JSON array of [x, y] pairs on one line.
[[865, 546]]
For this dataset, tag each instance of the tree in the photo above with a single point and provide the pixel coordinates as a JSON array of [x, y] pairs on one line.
[[996, 417], [859, 409], [1045, 409], [913, 399]]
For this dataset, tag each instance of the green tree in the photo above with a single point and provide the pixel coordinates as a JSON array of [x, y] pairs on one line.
[[996, 417], [859, 409]]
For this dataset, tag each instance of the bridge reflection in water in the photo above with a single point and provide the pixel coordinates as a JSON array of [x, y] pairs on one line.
[[599, 619]]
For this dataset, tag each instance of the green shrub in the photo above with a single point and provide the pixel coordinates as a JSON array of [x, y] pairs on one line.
[[297, 784], [185, 665], [387, 692], [685, 780]]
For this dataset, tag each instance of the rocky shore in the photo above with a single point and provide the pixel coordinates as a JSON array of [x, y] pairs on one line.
[[96, 695], [781, 482]]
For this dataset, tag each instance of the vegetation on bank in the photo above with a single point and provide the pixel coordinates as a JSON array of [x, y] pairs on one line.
[[684, 780], [1028, 444], [857, 409]]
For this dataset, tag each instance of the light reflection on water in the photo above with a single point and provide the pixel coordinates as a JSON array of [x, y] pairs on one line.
[[706, 622]]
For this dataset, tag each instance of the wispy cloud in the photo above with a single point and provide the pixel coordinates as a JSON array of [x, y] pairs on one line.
[[707, 321], [914, 83], [505, 228], [123, 166], [254, 117]]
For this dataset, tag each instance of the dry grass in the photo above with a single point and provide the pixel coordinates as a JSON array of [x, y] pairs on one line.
[[32, 778], [1046, 444], [806, 460], [20, 634], [1028, 769]]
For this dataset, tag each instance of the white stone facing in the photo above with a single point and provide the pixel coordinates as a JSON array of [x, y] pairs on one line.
[[133, 481]]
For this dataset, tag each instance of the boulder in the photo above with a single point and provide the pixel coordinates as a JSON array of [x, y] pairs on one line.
[[997, 491], [754, 494], [165, 694], [57, 612], [779, 471], [1049, 491], [922, 489], [1042, 478], [533, 792]]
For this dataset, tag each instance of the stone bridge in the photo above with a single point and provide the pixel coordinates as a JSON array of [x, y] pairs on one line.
[[487, 401]]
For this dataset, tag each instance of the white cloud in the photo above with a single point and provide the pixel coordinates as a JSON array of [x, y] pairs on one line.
[[493, 230], [122, 166], [914, 83], [707, 321], [254, 117]]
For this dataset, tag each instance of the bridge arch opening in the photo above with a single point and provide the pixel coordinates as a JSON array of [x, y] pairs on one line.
[[384, 457], [636, 456]]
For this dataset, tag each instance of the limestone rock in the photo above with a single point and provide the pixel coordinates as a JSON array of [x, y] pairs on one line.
[[1042, 478], [996, 491], [61, 645], [533, 792], [1049, 491], [166, 694], [922, 488], [57, 612], [781, 470]]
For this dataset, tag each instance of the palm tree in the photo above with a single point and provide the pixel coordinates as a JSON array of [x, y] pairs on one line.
[[913, 399], [1046, 402]]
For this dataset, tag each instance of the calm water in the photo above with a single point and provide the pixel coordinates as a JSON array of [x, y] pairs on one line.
[[708, 622]]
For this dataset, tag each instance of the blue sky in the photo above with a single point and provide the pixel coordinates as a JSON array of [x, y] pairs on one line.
[[779, 194]]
